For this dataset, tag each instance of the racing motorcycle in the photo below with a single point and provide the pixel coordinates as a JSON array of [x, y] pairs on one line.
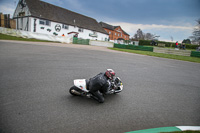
[[81, 87]]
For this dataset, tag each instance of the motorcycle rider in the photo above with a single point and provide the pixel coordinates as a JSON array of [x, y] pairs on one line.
[[100, 84]]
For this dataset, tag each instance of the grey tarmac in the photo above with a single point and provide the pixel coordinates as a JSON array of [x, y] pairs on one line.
[[35, 79]]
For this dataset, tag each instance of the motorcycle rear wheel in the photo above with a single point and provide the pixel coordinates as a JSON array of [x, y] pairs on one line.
[[71, 90]]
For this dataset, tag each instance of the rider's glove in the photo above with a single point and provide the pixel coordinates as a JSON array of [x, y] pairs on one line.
[[111, 91], [113, 85]]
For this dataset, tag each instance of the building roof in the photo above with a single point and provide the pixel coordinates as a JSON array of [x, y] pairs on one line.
[[110, 27], [54, 13], [107, 26]]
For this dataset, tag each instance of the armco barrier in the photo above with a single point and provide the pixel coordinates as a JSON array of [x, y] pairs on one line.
[[133, 47], [81, 41], [195, 54]]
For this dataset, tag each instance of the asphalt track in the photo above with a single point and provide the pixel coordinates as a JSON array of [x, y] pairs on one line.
[[35, 79]]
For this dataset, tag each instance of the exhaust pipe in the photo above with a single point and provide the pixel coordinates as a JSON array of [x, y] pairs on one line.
[[76, 92]]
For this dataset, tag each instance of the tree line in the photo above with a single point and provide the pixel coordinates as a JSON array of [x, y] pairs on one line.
[[140, 35]]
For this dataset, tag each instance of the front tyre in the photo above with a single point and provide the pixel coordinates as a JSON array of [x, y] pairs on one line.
[[118, 90]]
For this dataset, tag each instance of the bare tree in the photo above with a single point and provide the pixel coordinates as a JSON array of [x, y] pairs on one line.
[[149, 36], [172, 38], [196, 33], [139, 35]]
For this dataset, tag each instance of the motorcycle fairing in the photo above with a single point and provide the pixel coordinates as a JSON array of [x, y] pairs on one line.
[[81, 84]]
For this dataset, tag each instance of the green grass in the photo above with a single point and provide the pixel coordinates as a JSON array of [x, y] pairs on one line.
[[169, 56], [183, 132], [7, 37]]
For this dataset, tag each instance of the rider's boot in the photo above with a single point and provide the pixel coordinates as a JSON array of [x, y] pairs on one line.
[[88, 95]]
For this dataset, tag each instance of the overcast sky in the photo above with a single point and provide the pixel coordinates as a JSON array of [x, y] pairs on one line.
[[166, 18]]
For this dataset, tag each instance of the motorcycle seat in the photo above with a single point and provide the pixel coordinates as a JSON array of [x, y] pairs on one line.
[[87, 84]]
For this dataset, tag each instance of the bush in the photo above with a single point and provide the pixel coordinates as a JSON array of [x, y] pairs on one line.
[[145, 42], [148, 43], [190, 46]]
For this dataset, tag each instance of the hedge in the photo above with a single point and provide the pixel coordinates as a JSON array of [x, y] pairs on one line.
[[191, 46], [145, 42], [148, 43]]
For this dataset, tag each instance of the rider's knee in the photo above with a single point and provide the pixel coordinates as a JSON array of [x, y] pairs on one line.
[[101, 100]]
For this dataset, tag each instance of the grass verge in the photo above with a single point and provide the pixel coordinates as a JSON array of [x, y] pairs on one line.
[[8, 37], [183, 132], [169, 56]]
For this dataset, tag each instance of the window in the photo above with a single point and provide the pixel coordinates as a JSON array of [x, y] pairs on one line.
[[80, 30], [42, 22], [94, 34], [65, 26], [22, 14], [115, 34], [45, 22], [109, 32]]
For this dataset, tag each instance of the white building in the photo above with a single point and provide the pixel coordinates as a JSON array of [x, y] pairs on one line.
[[41, 17]]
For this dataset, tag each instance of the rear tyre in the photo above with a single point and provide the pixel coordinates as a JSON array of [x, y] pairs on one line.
[[73, 88]]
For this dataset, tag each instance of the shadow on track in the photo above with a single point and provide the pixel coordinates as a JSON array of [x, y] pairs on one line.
[[78, 100]]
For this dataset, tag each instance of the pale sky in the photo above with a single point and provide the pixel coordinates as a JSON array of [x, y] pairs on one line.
[[166, 18]]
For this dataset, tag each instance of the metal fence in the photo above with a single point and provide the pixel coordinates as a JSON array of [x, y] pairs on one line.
[[195, 54], [133, 47], [81, 41]]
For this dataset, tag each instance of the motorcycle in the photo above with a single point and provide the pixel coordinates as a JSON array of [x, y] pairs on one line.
[[81, 87]]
